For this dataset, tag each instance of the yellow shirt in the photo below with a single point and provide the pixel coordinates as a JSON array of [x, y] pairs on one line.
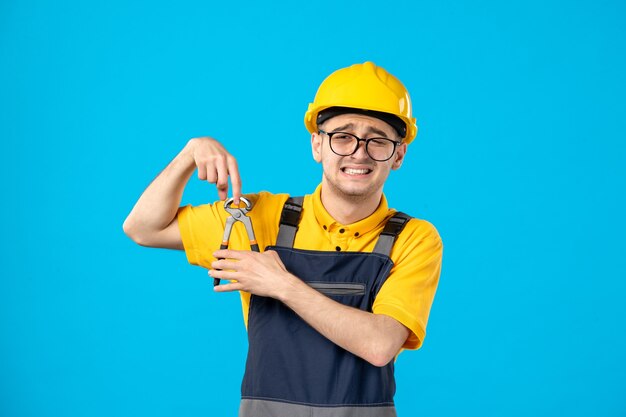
[[406, 295]]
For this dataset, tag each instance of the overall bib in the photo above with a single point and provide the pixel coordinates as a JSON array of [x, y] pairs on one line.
[[294, 371]]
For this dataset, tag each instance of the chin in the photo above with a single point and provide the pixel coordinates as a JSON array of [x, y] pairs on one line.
[[357, 193]]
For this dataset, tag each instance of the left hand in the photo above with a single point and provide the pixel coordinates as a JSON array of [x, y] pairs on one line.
[[257, 273]]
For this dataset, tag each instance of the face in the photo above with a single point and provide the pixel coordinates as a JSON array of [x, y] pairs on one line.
[[356, 177]]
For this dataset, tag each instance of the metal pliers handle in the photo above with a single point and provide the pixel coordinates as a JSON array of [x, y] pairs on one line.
[[237, 214]]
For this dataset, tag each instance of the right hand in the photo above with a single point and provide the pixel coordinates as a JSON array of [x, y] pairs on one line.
[[215, 165]]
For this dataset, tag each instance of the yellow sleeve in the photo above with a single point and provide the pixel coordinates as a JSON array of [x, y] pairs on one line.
[[408, 292], [201, 229]]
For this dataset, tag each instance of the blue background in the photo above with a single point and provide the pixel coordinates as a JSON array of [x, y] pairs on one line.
[[519, 163]]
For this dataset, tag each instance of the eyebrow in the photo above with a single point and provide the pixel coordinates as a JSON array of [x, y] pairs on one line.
[[370, 129]]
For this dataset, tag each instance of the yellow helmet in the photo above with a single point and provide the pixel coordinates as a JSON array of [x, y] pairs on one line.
[[364, 87]]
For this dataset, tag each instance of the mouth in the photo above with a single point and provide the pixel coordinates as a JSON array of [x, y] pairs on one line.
[[355, 171]]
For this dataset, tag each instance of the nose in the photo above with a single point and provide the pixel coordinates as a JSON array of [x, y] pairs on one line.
[[361, 151]]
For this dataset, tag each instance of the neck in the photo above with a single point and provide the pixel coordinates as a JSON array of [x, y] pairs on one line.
[[347, 209]]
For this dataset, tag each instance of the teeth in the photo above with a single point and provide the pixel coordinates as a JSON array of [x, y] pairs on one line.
[[354, 171]]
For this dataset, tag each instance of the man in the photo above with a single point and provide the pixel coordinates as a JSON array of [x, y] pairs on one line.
[[344, 282]]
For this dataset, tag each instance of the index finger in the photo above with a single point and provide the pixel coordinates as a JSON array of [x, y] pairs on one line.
[[235, 179]]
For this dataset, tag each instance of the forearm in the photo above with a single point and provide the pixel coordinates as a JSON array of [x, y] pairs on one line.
[[158, 205], [375, 338]]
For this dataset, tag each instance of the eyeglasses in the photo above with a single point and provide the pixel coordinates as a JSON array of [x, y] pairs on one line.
[[346, 144]]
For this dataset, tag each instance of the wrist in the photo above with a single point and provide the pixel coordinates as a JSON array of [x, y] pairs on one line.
[[187, 154], [292, 285], [189, 147]]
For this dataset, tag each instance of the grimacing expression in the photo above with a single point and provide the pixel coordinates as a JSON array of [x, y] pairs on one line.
[[356, 176]]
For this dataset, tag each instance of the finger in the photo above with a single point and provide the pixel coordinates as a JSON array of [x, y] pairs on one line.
[[230, 254], [222, 178], [235, 179], [202, 171], [211, 173], [235, 286], [229, 275], [225, 265]]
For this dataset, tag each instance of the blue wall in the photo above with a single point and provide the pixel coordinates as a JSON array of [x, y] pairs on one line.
[[519, 163]]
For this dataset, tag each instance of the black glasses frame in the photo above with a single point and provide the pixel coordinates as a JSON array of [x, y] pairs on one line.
[[358, 142]]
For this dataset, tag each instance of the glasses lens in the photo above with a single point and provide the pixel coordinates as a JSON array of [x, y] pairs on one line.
[[380, 149], [343, 143], [346, 144]]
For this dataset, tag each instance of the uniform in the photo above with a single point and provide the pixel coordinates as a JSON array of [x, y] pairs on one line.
[[286, 374]]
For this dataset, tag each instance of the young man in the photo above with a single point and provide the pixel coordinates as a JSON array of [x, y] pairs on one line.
[[343, 283]]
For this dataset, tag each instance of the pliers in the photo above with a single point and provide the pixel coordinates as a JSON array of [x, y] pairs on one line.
[[237, 215]]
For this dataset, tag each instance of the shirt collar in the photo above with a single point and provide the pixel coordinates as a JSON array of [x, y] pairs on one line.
[[328, 223]]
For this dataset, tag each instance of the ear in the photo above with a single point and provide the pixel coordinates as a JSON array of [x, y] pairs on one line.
[[316, 147], [399, 156]]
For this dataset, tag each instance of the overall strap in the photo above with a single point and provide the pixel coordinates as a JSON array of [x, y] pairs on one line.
[[392, 229], [289, 220]]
